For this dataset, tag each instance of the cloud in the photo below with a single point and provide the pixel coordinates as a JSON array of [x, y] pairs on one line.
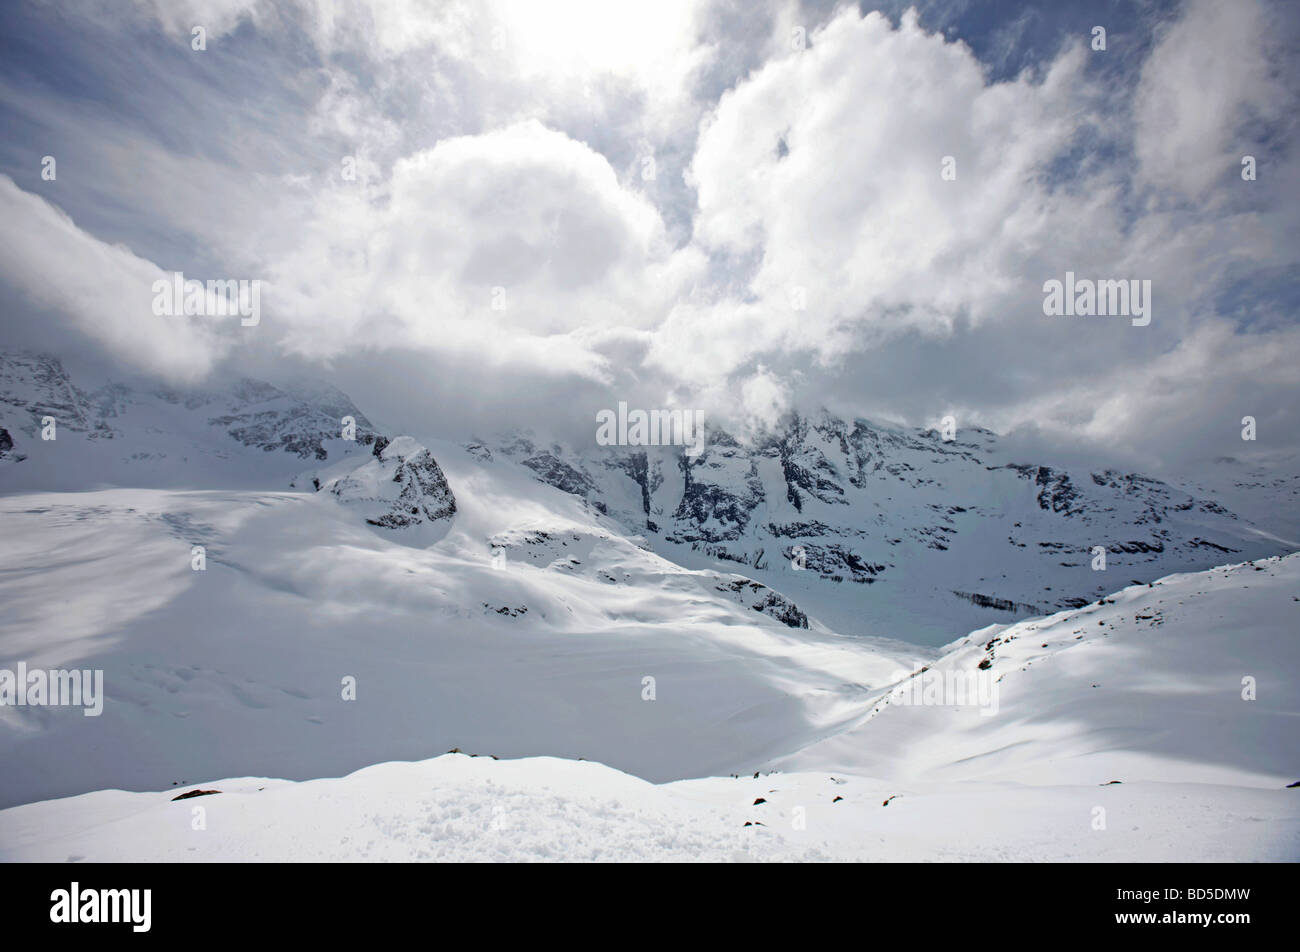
[[514, 246], [566, 51], [1209, 381], [1211, 86], [102, 290], [798, 244], [825, 168], [217, 17], [859, 275]]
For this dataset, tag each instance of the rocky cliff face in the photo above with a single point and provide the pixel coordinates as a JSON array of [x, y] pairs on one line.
[[402, 487], [822, 506]]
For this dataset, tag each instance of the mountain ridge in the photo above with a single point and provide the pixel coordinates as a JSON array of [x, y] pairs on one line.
[[815, 505], [872, 529]]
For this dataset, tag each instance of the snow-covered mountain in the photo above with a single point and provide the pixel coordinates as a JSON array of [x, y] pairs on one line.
[[893, 532], [1265, 491], [1124, 732], [1186, 679], [528, 626], [245, 433], [401, 488], [267, 598]]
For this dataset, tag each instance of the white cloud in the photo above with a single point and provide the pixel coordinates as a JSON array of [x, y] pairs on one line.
[[217, 17], [814, 180], [825, 168], [819, 178], [507, 246], [103, 290], [1212, 75], [1207, 383], [529, 57]]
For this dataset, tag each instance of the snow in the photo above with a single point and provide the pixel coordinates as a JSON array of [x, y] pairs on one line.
[[1167, 720], [459, 808], [1147, 686], [630, 685], [898, 528], [238, 668]]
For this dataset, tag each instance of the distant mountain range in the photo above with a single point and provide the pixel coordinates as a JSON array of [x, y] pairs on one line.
[[880, 530], [868, 528]]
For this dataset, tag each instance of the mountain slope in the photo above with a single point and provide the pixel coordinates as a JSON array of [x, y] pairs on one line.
[[1200, 771], [1189, 679], [528, 627], [898, 533], [246, 433]]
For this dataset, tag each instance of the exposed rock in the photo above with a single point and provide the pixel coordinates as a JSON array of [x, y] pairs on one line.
[[401, 488], [190, 794]]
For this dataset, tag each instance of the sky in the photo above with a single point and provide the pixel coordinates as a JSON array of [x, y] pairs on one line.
[[479, 215]]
